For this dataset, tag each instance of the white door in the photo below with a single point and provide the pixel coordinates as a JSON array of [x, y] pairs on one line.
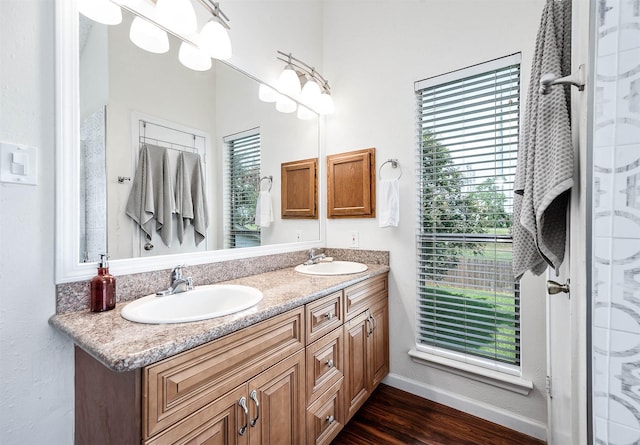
[[566, 312]]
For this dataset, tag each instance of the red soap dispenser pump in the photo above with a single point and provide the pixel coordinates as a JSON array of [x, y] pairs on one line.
[[103, 288]]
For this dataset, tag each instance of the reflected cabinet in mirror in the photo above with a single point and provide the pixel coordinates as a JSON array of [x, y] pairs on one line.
[[163, 163]]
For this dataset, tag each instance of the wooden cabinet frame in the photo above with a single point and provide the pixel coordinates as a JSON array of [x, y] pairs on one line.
[[351, 184], [299, 193]]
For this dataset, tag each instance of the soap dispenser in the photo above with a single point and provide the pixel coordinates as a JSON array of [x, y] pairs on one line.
[[103, 288]]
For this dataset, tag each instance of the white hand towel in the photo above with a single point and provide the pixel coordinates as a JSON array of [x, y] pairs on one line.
[[264, 209], [390, 203]]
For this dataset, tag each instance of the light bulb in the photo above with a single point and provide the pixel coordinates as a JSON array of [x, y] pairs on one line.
[[267, 94], [193, 57], [148, 36], [101, 11], [305, 113], [214, 39], [326, 105], [177, 15], [310, 94], [285, 105], [289, 82]]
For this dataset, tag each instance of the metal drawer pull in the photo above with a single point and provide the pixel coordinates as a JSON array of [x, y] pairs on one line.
[[328, 315], [243, 405], [254, 396], [330, 363], [330, 419]]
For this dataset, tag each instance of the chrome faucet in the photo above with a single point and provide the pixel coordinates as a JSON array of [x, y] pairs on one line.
[[314, 258], [179, 283]]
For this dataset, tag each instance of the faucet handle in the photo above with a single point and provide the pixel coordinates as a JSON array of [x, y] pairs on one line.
[[176, 273]]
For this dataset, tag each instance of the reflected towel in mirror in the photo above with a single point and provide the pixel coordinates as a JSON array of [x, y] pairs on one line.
[[264, 209], [151, 197], [191, 201]]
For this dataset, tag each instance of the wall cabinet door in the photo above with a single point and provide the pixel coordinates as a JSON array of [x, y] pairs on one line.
[[299, 194], [351, 184], [277, 403]]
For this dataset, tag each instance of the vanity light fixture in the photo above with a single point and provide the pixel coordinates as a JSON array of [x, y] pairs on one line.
[[303, 83], [153, 22]]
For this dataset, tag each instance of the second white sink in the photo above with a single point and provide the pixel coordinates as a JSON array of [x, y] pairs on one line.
[[200, 303], [332, 268]]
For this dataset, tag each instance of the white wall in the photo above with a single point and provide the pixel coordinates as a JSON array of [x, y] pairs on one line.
[[373, 53], [36, 363]]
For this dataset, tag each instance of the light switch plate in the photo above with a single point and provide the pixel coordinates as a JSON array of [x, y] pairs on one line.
[[18, 164]]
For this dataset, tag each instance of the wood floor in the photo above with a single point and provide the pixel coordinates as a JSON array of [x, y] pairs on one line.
[[395, 417]]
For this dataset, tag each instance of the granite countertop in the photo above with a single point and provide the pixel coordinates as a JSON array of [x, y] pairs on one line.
[[122, 345]]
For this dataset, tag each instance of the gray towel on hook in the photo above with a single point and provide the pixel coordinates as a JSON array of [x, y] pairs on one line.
[[191, 201], [544, 172], [151, 197]]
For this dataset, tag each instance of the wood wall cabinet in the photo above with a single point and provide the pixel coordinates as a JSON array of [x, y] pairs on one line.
[[293, 379], [351, 184], [299, 193]]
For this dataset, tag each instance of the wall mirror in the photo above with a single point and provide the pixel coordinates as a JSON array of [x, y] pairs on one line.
[[113, 98]]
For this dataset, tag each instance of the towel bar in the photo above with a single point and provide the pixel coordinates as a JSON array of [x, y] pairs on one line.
[[268, 178], [394, 164]]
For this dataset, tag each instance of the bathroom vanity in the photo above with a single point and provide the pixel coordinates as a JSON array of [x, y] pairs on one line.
[[292, 370]]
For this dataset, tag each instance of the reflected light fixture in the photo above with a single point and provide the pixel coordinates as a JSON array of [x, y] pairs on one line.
[[147, 36], [101, 11], [315, 94], [154, 20]]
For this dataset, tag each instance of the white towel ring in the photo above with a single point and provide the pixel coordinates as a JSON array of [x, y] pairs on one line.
[[268, 178], [394, 164]]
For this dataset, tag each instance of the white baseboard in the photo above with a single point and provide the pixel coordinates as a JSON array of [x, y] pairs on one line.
[[505, 418]]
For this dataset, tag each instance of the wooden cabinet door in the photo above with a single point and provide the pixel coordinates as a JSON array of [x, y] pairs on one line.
[[220, 423], [356, 370], [299, 194], [277, 403], [351, 184], [379, 340]]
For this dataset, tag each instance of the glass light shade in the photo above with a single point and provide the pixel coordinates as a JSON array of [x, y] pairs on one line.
[[148, 36], [267, 94], [326, 105], [177, 15], [306, 114], [193, 57], [285, 105], [101, 11], [310, 94], [289, 82], [214, 39]]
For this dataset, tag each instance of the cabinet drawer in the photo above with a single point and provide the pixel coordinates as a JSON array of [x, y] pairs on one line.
[[360, 296], [323, 316], [182, 384], [325, 417], [324, 363]]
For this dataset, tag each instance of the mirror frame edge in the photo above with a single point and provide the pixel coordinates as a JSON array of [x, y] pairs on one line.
[[68, 268]]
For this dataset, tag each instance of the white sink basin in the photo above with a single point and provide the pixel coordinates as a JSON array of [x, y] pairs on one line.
[[201, 303], [332, 268]]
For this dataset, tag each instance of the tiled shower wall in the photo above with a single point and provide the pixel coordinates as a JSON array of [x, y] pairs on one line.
[[616, 224]]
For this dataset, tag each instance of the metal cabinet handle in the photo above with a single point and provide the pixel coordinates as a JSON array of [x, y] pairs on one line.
[[330, 363], [554, 287], [330, 419], [254, 396], [374, 322], [243, 404], [370, 328]]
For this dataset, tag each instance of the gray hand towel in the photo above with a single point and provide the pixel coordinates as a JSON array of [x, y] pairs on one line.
[[191, 201], [544, 172], [151, 197]]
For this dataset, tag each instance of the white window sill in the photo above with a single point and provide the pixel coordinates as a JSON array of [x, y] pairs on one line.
[[496, 378]]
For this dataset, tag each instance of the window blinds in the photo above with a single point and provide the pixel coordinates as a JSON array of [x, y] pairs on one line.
[[242, 177], [468, 301]]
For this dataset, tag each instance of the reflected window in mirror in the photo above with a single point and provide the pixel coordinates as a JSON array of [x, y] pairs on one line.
[[242, 183]]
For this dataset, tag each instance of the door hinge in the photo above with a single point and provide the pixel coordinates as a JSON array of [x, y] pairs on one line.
[[548, 386]]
